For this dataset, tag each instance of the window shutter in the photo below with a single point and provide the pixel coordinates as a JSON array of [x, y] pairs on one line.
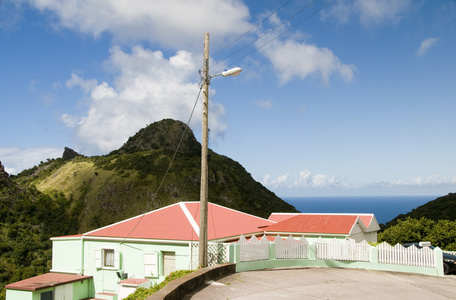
[[98, 259], [116, 260], [150, 265]]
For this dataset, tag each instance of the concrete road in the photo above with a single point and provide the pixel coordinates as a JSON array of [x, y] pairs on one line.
[[327, 283]]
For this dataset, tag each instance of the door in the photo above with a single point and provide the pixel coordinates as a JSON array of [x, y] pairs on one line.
[[64, 292], [169, 262]]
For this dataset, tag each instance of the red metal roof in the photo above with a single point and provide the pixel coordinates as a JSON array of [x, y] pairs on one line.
[[279, 217], [316, 223], [45, 281], [180, 221]]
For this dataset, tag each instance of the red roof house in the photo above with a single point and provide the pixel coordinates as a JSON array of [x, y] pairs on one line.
[[355, 226], [116, 259]]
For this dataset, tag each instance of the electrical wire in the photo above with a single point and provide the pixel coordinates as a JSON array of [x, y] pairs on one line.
[[245, 33], [270, 41], [269, 31], [169, 165], [201, 86]]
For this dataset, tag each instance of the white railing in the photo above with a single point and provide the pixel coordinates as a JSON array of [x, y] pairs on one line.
[[256, 249], [337, 249], [291, 248], [253, 249], [410, 256], [346, 251]]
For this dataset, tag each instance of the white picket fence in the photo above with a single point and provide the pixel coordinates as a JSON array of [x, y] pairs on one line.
[[410, 256], [337, 249], [291, 248], [334, 249], [253, 249]]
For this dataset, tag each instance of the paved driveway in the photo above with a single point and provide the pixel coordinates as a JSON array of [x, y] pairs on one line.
[[327, 283]]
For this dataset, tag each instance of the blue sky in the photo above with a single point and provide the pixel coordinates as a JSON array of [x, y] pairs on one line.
[[336, 97]]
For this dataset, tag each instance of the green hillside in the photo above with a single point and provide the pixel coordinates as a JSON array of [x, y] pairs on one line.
[[126, 182], [75, 194], [442, 208], [434, 222], [28, 218]]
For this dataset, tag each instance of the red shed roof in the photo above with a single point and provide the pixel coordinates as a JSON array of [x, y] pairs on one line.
[[367, 219], [45, 281], [180, 221], [316, 223]]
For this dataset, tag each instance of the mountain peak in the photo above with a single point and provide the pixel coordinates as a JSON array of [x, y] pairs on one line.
[[69, 153], [4, 176], [163, 135]]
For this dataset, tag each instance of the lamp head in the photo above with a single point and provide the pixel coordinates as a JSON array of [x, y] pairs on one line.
[[232, 72]]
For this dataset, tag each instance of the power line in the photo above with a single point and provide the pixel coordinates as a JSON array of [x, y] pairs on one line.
[[258, 48], [245, 33], [269, 31], [169, 165]]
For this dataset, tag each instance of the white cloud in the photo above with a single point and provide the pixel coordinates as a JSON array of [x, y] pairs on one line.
[[16, 159], [381, 11], [307, 180], [369, 12], [292, 59], [179, 24], [278, 182], [425, 46], [85, 85], [148, 88], [309, 183], [266, 104], [433, 180]]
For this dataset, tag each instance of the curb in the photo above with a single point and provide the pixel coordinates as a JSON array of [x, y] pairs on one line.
[[178, 288]]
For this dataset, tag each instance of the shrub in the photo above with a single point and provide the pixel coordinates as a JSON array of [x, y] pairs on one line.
[[142, 293]]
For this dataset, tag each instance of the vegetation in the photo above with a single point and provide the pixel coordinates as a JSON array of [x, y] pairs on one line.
[[75, 194], [441, 233], [434, 222], [143, 293], [28, 218], [442, 208]]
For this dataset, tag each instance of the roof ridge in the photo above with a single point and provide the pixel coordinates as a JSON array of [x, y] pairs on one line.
[[129, 219], [189, 217]]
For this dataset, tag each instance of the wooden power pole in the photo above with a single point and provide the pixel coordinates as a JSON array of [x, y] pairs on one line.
[[202, 258]]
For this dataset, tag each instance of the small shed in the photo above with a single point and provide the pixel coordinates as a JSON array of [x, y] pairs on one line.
[[51, 286]]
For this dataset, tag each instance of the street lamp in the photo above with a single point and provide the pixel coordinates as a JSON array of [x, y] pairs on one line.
[[202, 255]]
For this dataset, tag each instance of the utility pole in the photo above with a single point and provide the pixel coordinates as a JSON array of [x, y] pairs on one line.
[[202, 257]]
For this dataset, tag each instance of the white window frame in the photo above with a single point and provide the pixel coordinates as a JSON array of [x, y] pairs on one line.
[[100, 259]]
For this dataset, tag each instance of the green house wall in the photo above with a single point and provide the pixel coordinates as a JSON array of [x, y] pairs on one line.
[[78, 255]]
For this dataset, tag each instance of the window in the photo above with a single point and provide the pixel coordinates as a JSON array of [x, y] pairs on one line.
[[107, 259]]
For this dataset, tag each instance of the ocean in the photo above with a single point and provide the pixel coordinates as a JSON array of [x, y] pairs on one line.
[[385, 208]]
